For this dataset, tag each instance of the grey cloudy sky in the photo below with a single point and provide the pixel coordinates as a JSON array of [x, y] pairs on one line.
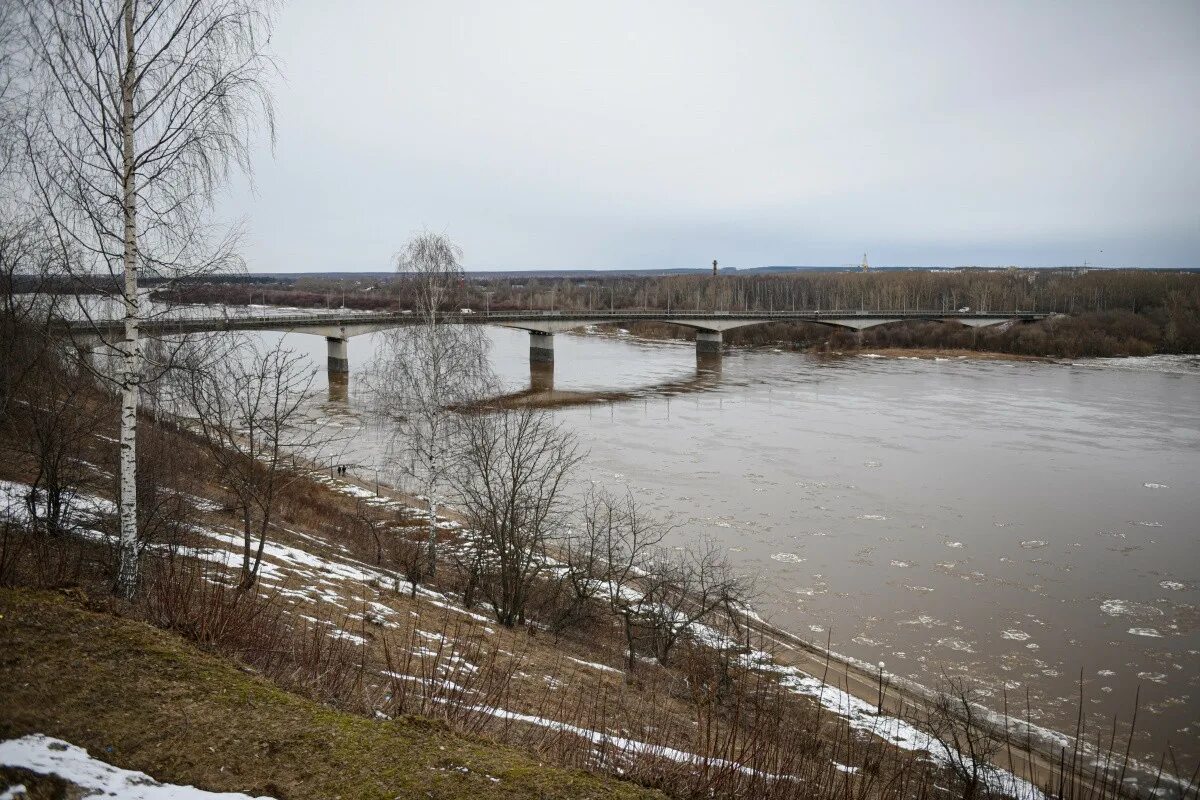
[[650, 134]]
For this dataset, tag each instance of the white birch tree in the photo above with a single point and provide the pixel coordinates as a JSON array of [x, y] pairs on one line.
[[424, 371], [138, 111]]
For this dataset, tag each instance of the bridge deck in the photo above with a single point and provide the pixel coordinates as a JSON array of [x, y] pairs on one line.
[[298, 322]]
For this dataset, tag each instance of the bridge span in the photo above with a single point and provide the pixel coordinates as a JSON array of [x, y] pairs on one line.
[[337, 327]]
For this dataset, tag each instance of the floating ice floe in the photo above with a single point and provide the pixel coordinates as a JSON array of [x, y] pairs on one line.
[[787, 558], [955, 545], [1149, 632], [1128, 608], [901, 564], [45, 755], [1014, 635], [876, 517], [1156, 486], [1032, 544], [1172, 586]]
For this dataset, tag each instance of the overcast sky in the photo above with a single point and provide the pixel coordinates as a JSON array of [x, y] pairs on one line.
[[652, 134]]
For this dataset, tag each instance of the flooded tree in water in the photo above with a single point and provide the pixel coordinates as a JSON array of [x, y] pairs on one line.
[[422, 372], [136, 113]]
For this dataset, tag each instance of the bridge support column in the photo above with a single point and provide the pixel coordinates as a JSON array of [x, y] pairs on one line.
[[339, 359], [541, 347], [541, 376], [708, 343]]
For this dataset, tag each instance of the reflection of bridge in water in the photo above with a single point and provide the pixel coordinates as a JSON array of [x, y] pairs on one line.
[[709, 326]]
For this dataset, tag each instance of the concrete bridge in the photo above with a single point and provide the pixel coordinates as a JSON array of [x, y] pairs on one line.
[[338, 327]]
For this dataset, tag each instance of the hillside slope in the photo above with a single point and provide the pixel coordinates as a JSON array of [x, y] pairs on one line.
[[144, 699]]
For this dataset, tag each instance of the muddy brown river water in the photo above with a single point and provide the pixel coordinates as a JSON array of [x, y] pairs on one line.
[[1013, 522]]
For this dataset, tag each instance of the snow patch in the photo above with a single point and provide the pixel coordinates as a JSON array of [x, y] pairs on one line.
[[48, 756], [594, 665]]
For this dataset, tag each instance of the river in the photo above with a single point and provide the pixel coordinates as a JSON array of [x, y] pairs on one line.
[[1014, 522]]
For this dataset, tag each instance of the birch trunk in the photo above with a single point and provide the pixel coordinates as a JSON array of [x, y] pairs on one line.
[[431, 541], [130, 366]]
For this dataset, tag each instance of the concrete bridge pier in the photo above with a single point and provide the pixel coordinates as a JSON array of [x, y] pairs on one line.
[[339, 387], [541, 376], [339, 358], [708, 343], [541, 347], [708, 364]]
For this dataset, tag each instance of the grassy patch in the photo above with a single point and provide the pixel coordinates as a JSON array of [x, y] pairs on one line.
[[144, 699]]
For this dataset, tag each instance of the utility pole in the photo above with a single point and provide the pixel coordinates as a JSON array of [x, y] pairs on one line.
[[714, 268]]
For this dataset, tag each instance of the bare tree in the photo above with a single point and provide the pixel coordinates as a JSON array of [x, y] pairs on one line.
[[425, 371], [57, 421], [250, 417], [605, 552], [682, 588], [28, 267], [138, 111], [966, 740], [511, 480], [611, 554]]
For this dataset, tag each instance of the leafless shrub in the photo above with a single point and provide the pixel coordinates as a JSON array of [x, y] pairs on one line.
[[968, 742], [248, 413], [511, 480], [681, 589], [200, 601]]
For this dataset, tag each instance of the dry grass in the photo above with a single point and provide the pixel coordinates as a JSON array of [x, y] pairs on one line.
[[144, 699]]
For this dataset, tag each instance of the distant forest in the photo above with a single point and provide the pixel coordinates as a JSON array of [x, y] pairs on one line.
[[1107, 312]]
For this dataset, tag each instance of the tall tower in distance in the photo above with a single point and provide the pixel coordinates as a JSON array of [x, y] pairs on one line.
[[714, 268], [865, 266]]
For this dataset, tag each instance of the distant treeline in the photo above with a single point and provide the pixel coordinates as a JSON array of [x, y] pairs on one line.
[[1111, 312]]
